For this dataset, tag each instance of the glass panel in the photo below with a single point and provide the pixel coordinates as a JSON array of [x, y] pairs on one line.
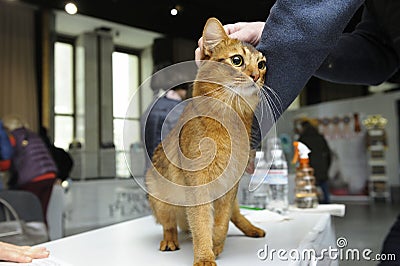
[[63, 131], [122, 156], [121, 160], [63, 68], [125, 84], [133, 127]]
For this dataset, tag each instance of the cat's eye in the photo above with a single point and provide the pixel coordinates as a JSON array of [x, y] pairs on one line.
[[261, 65], [237, 60]]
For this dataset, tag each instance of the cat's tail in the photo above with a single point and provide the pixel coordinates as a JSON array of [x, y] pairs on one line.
[[243, 224]]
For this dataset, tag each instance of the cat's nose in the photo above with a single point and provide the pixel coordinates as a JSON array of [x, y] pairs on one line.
[[255, 76]]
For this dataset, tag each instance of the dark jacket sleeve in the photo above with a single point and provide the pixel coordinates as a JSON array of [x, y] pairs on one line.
[[297, 37], [363, 56]]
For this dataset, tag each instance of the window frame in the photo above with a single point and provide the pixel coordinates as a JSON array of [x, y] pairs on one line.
[[117, 48]]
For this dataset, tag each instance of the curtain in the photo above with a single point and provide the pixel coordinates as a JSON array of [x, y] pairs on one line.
[[18, 86]]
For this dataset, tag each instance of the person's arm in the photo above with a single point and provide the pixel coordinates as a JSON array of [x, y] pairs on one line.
[[361, 57], [297, 37], [13, 253]]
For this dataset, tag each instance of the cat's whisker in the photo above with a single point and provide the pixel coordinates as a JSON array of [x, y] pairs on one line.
[[239, 103], [231, 95], [269, 106], [266, 99], [276, 96], [266, 108]]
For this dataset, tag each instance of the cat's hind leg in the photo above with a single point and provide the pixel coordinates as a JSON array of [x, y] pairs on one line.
[[165, 214], [243, 224]]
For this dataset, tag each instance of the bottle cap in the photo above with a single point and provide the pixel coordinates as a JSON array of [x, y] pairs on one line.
[[301, 152]]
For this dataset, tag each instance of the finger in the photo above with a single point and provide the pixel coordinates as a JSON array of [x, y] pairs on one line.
[[237, 35], [37, 252], [22, 253], [231, 28], [200, 42], [197, 56], [14, 256]]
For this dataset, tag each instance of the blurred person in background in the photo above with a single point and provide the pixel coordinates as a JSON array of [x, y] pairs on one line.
[[320, 155], [62, 158], [162, 112], [10, 252], [5, 153], [5, 145], [32, 167]]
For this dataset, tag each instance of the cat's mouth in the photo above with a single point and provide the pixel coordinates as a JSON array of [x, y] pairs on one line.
[[245, 90], [245, 87]]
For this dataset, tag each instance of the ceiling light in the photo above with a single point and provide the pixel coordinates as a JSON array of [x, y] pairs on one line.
[[174, 11], [71, 8], [177, 9]]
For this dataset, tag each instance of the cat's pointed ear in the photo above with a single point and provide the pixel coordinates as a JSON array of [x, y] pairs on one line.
[[213, 34]]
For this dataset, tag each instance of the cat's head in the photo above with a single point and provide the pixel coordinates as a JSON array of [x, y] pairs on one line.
[[243, 68]]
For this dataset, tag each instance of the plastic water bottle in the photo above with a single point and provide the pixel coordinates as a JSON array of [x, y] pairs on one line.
[[259, 196], [277, 178]]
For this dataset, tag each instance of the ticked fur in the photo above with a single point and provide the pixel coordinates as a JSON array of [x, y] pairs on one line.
[[209, 146]]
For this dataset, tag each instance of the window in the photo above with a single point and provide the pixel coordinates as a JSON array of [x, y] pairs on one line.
[[63, 94], [126, 80], [125, 84]]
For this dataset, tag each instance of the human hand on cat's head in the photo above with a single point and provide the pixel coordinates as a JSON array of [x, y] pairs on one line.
[[249, 32]]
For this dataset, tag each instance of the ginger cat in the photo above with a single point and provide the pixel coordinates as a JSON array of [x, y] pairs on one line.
[[194, 179]]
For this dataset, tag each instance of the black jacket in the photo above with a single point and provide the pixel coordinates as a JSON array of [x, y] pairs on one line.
[[153, 119]]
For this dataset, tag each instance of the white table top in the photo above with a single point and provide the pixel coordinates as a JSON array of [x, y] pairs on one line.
[[136, 242]]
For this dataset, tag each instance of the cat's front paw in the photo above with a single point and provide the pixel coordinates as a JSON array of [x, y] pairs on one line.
[[205, 263], [168, 245]]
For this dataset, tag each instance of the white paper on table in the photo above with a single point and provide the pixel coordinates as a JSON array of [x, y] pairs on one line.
[[51, 261], [261, 216], [332, 209]]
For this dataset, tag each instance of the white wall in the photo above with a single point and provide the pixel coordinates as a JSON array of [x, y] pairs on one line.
[[384, 104]]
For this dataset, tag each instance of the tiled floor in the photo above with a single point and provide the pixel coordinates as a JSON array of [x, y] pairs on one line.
[[365, 225]]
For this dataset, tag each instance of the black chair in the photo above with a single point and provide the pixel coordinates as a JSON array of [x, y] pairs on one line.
[[26, 204]]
